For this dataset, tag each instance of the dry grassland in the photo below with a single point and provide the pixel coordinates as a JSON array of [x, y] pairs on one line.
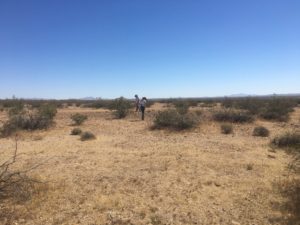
[[131, 174]]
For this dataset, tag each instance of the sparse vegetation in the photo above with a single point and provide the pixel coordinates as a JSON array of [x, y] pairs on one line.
[[41, 118], [78, 118], [288, 140], [274, 108], [226, 128], [76, 131], [174, 120], [233, 116], [290, 188], [261, 131], [87, 135]]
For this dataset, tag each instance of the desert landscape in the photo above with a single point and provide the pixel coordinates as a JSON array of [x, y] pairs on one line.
[[131, 173]]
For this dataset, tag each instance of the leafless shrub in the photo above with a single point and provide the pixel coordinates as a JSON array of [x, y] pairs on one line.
[[16, 183]]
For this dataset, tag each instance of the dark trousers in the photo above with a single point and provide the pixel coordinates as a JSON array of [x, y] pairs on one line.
[[143, 112]]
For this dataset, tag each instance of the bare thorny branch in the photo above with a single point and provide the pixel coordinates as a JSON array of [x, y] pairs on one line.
[[15, 178]]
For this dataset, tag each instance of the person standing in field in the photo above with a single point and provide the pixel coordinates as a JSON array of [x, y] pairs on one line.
[[143, 102], [137, 103]]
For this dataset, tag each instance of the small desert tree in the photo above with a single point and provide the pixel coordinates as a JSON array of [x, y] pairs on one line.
[[121, 107]]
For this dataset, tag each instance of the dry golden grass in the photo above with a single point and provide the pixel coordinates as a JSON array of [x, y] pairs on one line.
[[133, 175]]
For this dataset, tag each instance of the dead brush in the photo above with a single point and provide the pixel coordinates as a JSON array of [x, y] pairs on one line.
[[17, 183]]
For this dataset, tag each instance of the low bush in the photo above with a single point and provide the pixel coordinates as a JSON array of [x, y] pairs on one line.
[[182, 107], [87, 136], [260, 131], [233, 117], [174, 120], [29, 120], [226, 128], [16, 108], [275, 108], [76, 131], [278, 109], [121, 107], [47, 111], [288, 140], [78, 118]]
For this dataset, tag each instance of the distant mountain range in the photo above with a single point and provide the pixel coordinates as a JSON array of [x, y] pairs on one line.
[[241, 95]]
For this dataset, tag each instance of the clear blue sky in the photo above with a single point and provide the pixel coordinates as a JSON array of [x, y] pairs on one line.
[[155, 48]]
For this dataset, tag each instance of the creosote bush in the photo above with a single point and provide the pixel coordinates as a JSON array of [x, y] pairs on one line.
[[182, 107], [260, 131], [87, 135], [16, 108], [288, 140], [47, 111], [121, 107], [276, 108], [226, 128], [76, 131], [41, 118], [233, 117], [78, 118], [290, 189], [172, 119]]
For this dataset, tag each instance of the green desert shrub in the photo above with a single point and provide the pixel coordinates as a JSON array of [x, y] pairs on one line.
[[16, 108], [182, 107], [233, 116], [29, 120], [260, 131], [99, 103], [172, 119], [287, 140], [226, 128], [47, 111], [121, 107], [78, 118], [277, 110], [87, 135], [76, 131]]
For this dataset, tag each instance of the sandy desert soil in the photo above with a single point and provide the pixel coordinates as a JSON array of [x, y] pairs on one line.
[[133, 175]]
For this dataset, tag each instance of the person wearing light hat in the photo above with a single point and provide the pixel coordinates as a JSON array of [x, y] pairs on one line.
[[137, 103], [142, 104]]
